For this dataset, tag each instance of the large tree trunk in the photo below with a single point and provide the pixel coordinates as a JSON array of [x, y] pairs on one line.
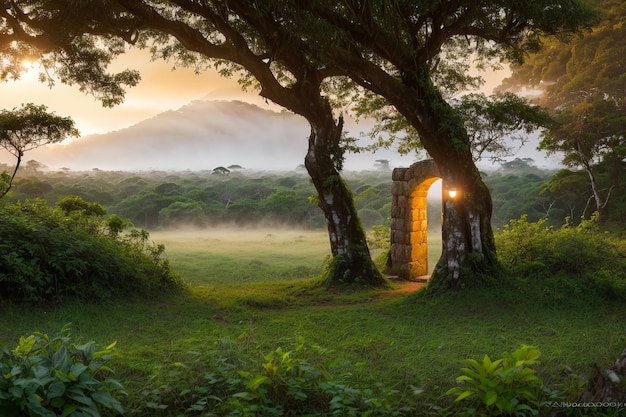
[[469, 251], [467, 237], [351, 262]]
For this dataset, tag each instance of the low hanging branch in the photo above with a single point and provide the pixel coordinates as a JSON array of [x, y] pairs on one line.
[[29, 127]]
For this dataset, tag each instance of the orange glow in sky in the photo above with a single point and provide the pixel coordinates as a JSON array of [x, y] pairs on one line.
[[159, 90]]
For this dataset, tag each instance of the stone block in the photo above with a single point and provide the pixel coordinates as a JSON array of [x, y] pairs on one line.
[[398, 253], [398, 237], [398, 188], [398, 224], [419, 253], [398, 174], [417, 269]]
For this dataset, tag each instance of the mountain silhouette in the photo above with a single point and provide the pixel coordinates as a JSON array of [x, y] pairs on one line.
[[200, 135]]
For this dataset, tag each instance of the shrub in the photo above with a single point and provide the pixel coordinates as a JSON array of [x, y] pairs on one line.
[[379, 237], [231, 380], [504, 387], [47, 254], [568, 261], [53, 376]]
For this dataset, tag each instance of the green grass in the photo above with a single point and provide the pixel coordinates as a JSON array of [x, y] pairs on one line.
[[398, 340], [236, 257]]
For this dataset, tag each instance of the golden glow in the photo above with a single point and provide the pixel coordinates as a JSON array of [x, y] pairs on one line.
[[452, 192], [29, 65]]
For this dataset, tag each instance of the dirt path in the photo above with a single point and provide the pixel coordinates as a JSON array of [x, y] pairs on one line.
[[404, 287]]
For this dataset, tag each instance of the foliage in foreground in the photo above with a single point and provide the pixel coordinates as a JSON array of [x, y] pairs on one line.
[[506, 386], [234, 380], [47, 254], [54, 376]]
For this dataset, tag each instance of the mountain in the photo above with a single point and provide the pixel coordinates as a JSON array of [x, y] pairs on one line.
[[206, 134], [200, 135]]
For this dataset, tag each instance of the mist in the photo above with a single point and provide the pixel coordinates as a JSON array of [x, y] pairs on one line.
[[201, 135]]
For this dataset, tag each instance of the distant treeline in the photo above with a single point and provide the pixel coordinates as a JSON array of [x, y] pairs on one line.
[[159, 199]]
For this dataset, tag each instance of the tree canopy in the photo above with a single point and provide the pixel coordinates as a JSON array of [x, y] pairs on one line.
[[583, 82], [26, 128]]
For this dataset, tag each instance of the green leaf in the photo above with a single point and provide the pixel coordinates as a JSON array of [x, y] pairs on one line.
[[104, 398], [464, 395], [88, 350], [78, 395], [77, 369], [113, 384], [490, 397], [68, 409], [36, 408], [244, 395], [64, 377], [16, 370], [256, 382], [59, 359], [152, 404], [16, 391], [56, 389], [40, 371], [493, 366], [25, 345], [473, 363]]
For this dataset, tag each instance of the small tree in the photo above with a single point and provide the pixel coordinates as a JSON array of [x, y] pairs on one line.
[[30, 127]]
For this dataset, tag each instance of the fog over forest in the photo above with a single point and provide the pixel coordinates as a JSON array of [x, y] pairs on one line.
[[206, 134]]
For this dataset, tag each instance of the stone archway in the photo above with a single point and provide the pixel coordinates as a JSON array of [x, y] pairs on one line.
[[409, 223]]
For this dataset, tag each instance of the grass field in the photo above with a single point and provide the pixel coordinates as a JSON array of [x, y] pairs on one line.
[[235, 257], [252, 287]]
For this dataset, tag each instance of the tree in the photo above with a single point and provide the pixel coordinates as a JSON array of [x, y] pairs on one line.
[[221, 171], [584, 84], [569, 190], [582, 137], [412, 53], [489, 120], [27, 128], [407, 52], [199, 35]]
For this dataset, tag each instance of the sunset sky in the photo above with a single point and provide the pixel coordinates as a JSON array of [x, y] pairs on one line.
[[160, 89]]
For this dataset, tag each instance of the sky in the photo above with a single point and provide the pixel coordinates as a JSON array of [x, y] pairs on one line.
[[161, 88]]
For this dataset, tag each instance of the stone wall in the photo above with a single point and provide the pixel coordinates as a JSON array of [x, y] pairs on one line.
[[409, 223]]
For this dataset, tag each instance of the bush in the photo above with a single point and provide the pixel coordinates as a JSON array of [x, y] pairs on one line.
[[231, 380], [570, 261], [48, 254], [504, 387], [49, 377]]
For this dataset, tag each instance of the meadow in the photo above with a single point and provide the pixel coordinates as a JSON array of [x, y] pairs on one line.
[[239, 256], [254, 289]]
